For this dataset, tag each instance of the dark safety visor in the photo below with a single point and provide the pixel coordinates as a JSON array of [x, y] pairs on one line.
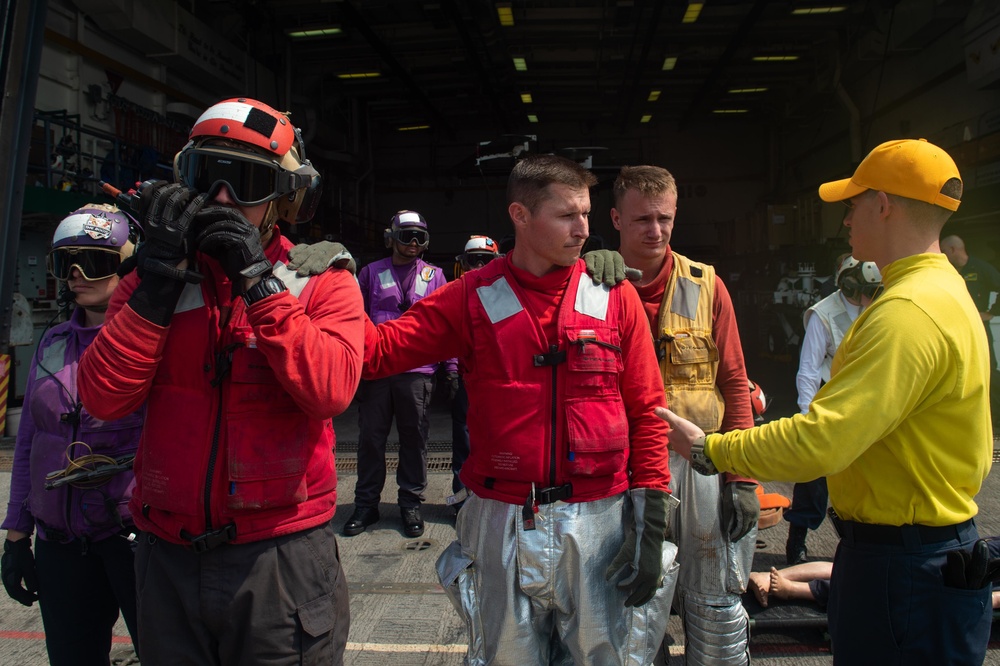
[[408, 235], [478, 259], [251, 179], [94, 263]]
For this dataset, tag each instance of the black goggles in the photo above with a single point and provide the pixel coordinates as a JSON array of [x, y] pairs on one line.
[[407, 236], [871, 290], [251, 179], [479, 259], [94, 263]]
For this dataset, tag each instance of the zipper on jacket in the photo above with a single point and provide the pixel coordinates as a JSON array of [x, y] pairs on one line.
[[554, 455], [223, 363]]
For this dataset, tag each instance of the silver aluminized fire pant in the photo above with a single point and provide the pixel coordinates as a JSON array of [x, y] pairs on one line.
[[540, 596], [713, 574]]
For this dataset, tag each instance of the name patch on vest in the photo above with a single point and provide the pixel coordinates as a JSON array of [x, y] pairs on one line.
[[685, 300], [592, 299], [499, 300]]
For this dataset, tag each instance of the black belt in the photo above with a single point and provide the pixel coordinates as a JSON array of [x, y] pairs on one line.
[[899, 535], [209, 540], [553, 494]]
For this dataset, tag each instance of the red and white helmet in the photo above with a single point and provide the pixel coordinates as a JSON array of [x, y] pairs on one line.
[[758, 401], [479, 251], [256, 153]]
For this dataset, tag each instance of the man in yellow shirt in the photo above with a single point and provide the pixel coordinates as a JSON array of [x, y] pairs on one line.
[[902, 430]]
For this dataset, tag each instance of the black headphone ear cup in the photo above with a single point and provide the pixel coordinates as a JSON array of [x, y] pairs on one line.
[[310, 198]]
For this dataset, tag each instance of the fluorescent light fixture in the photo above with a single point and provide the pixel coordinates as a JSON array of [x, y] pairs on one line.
[[505, 14], [728, 111], [532, 118], [359, 75], [307, 33], [803, 11], [775, 58], [669, 63], [646, 118], [410, 128], [520, 65], [693, 10], [741, 91], [653, 96], [526, 98]]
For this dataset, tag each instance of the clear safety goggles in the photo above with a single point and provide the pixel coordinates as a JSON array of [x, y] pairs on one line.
[[408, 235], [251, 179], [94, 263]]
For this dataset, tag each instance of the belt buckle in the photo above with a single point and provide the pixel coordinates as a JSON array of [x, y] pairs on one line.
[[209, 540], [555, 493]]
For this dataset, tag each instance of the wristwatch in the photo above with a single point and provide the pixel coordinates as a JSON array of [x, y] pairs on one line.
[[699, 461], [266, 287]]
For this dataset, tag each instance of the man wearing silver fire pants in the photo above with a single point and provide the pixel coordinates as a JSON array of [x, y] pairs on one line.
[[560, 556], [704, 378]]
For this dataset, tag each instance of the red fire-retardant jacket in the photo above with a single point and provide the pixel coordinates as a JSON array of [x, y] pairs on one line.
[[239, 402], [575, 409]]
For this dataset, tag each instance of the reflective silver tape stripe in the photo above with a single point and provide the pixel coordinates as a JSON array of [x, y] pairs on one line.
[[191, 298], [386, 280], [294, 283], [685, 300], [592, 299], [53, 358], [499, 300]]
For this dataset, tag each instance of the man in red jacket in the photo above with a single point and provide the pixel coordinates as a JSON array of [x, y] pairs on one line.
[[242, 365], [567, 472]]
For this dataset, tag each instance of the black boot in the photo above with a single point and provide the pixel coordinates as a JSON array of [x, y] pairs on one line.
[[795, 547]]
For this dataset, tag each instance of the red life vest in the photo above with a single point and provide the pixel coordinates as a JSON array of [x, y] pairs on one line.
[[548, 415], [199, 437]]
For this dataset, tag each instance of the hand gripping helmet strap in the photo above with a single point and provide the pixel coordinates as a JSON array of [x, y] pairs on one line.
[[254, 151], [94, 239]]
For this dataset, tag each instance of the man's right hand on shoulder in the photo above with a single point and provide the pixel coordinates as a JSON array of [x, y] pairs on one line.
[[608, 267], [316, 258]]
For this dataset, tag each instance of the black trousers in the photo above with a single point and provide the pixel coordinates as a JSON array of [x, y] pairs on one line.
[[81, 589], [408, 397]]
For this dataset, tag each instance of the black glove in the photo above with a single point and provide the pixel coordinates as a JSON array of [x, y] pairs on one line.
[[230, 239], [17, 565], [452, 385], [740, 508], [609, 267], [318, 257], [639, 563], [167, 212], [971, 571]]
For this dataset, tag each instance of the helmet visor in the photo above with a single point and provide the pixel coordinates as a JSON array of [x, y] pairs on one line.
[[94, 263], [251, 179], [409, 235], [478, 259]]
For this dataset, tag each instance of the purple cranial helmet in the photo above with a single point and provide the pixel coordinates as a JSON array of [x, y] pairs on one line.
[[406, 227], [95, 239]]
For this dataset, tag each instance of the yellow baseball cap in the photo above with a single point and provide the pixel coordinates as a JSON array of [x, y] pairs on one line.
[[911, 168]]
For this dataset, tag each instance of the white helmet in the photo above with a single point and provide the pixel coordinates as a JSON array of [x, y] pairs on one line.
[[855, 278], [479, 251]]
